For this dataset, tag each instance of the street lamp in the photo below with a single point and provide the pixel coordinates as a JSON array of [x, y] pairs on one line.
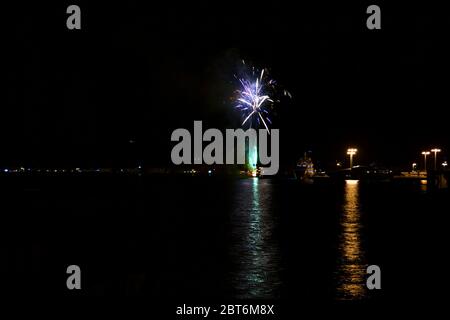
[[351, 152], [425, 154], [435, 150]]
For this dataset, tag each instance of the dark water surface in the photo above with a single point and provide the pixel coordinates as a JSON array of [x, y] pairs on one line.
[[211, 238]]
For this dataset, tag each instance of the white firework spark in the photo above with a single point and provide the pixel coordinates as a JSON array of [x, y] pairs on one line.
[[254, 98]]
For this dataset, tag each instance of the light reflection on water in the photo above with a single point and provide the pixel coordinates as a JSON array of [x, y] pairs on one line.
[[254, 250], [351, 272]]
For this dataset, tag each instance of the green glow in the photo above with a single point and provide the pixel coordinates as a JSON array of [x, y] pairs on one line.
[[252, 159]]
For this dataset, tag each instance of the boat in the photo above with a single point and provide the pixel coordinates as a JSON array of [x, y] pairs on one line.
[[304, 170]]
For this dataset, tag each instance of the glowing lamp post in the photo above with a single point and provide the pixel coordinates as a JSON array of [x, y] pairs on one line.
[[351, 152], [425, 154], [435, 151]]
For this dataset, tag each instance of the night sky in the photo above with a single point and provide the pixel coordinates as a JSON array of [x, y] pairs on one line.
[[113, 92]]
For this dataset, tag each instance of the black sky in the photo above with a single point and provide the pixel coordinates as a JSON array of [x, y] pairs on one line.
[[136, 72]]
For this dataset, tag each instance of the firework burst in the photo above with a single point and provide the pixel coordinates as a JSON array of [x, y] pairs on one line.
[[255, 98]]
